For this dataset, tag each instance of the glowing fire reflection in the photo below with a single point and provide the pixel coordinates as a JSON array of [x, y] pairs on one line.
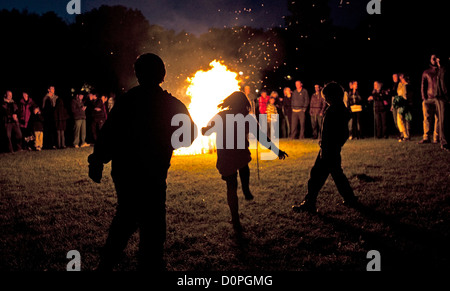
[[207, 89]]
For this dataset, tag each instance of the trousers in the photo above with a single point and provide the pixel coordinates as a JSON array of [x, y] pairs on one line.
[[328, 163]]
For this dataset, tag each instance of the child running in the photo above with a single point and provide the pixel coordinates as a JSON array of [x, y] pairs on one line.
[[234, 156]]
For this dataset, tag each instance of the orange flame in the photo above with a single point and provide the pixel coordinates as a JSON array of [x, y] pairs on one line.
[[207, 89]]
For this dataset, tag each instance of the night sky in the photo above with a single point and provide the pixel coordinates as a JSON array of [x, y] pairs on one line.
[[197, 16]]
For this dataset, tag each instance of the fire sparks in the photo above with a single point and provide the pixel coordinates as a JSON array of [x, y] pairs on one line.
[[207, 89]]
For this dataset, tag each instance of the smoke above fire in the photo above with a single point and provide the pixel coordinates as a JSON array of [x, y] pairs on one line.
[[247, 51]]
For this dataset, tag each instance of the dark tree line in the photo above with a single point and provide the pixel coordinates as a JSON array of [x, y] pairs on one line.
[[100, 47]]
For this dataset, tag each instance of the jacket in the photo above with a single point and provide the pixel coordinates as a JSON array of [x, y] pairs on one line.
[[77, 109], [25, 108], [9, 108], [263, 104], [300, 100], [380, 101], [37, 122], [137, 136], [317, 105]]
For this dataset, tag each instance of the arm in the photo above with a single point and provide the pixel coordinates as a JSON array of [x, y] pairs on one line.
[[423, 87], [306, 100]]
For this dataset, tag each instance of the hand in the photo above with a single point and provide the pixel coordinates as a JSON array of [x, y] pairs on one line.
[[385, 103], [370, 98], [84, 108], [97, 109], [204, 129], [282, 155]]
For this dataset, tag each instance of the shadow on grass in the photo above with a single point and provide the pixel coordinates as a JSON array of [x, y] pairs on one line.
[[402, 246]]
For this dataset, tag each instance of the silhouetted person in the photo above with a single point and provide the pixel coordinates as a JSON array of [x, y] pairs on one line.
[[393, 93], [61, 116], [137, 139], [26, 105], [380, 109], [429, 102], [79, 116], [316, 109], [234, 156], [48, 111], [9, 113], [98, 115], [334, 135], [299, 102]]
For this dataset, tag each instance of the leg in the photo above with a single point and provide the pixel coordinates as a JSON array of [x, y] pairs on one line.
[[302, 116], [8, 128], [314, 125], [122, 227], [318, 177], [384, 127], [426, 120], [76, 132], [244, 174], [152, 229], [232, 199], [83, 131], [320, 121], [294, 124], [350, 127], [377, 125], [358, 125], [436, 121], [341, 180]]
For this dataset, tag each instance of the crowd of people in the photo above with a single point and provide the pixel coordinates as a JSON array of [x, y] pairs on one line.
[[389, 106], [32, 125], [29, 125]]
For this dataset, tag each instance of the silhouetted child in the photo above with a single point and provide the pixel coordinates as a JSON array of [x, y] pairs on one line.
[[234, 156], [334, 135]]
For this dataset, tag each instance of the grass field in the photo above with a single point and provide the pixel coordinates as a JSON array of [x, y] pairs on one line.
[[48, 206]]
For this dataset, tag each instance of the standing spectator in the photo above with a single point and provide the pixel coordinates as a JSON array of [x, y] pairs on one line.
[[300, 103], [98, 117], [287, 109], [11, 122], [401, 102], [111, 101], [442, 98], [281, 118], [263, 100], [37, 124], [429, 102], [393, 93], [251, 98], [354, 103], [61, 117], [316, 110], [104, 99], [79, 116], [271, 114], [380, 108], [48, 110], [26, 105]]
